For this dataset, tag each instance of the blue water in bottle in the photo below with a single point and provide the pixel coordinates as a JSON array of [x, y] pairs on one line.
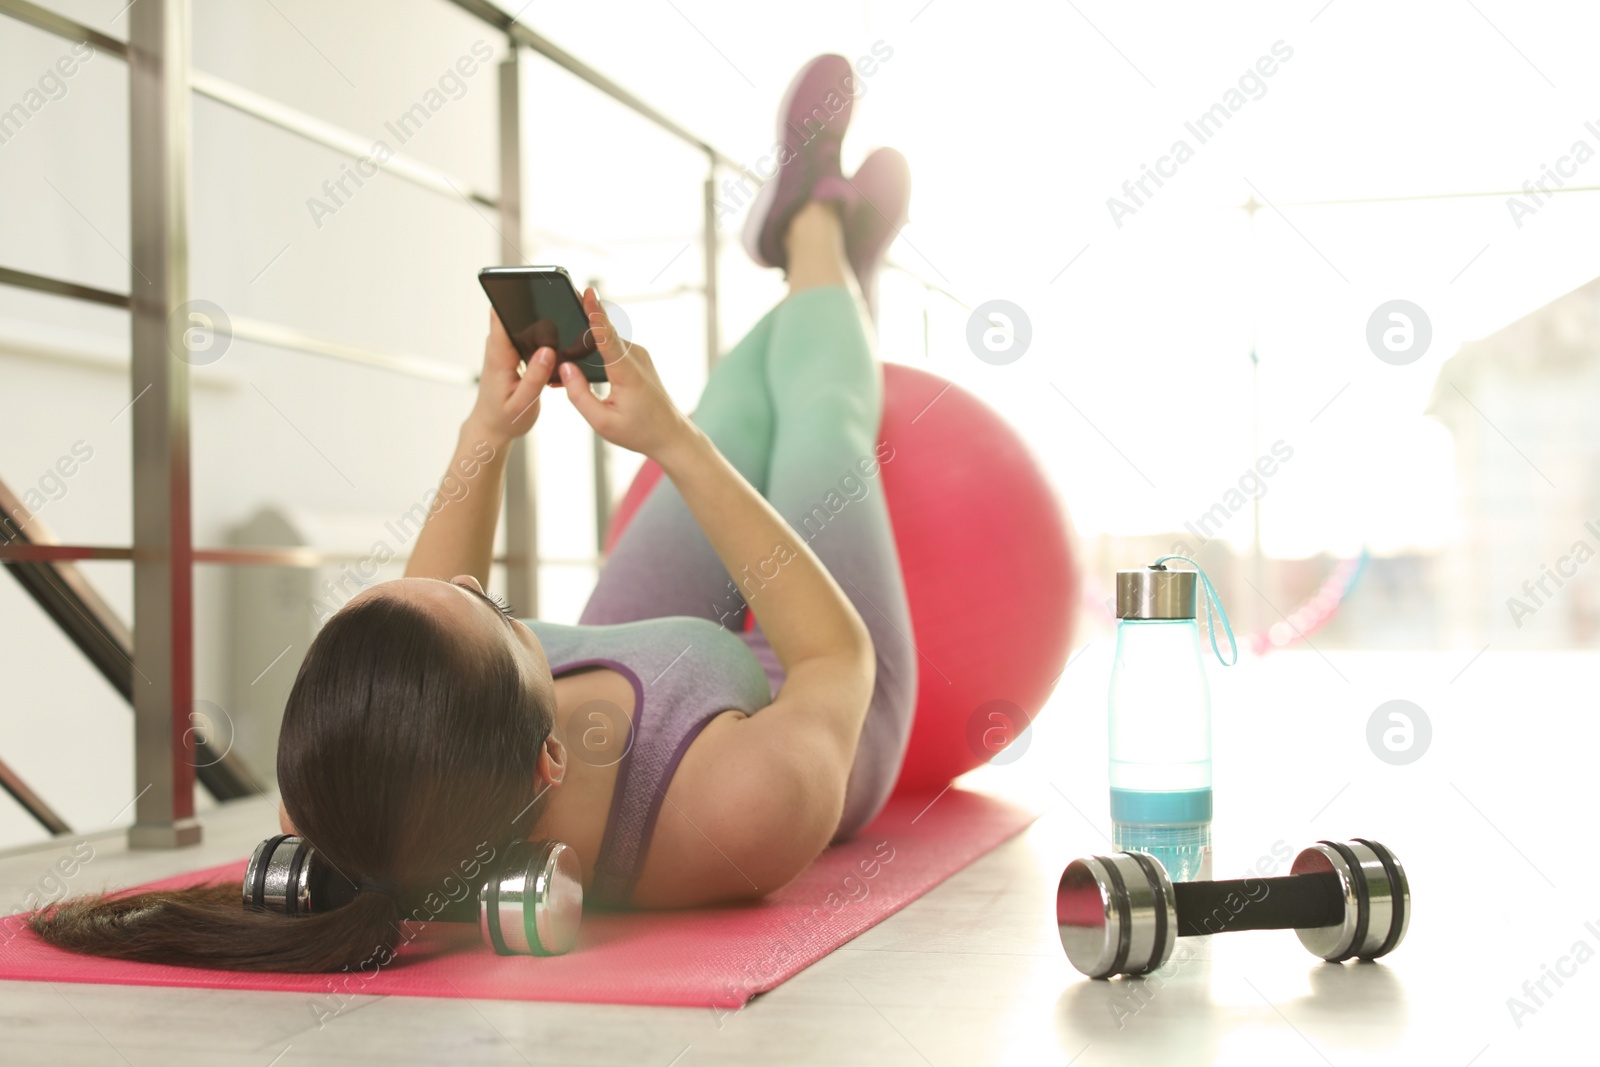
[[1160, 724]]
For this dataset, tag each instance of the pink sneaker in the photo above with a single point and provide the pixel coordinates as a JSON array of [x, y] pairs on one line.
[[811, 123], [882, 188]]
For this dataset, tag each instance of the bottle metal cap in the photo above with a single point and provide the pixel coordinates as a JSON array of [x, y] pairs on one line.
[[1148, 593]]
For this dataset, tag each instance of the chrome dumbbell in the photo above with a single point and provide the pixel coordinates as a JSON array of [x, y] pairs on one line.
[[530, 903], [1121, 914]]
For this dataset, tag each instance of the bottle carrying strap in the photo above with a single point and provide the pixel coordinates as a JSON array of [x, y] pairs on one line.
[[1214, 610]]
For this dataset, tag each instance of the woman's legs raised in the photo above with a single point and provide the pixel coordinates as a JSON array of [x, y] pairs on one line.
[[823, 477], [663, 564]]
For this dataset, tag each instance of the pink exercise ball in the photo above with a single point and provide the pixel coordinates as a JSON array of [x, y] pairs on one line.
[[986, 554]]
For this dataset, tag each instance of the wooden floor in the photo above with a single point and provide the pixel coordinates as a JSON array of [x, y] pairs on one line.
[[1487, 824]]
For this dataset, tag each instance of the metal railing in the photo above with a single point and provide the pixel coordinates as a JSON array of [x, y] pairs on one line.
[[161, 80]]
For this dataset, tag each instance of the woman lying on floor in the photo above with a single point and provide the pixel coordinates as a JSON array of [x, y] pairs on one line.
[[685, 759]]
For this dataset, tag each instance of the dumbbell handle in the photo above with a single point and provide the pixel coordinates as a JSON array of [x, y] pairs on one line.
[[1287, 903]]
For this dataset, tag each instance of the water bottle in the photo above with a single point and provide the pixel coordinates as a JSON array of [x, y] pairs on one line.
[[1160, 720]]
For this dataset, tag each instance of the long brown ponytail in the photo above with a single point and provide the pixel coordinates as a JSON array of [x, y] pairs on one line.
[[407, 753]]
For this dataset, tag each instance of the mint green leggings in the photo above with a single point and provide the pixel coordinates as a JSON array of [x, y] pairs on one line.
[[795, 407]]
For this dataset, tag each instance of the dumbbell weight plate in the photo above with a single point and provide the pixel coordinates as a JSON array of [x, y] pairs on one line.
[[1116, 914], [1377, 899], [276, 879], [534, 907]]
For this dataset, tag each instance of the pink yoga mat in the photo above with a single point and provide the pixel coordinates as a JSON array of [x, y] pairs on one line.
[[707, 957]]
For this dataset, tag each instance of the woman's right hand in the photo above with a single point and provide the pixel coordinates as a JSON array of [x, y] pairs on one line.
[[636, 414]]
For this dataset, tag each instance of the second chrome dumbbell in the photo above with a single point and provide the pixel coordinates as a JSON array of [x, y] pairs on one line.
[[1121, 914]]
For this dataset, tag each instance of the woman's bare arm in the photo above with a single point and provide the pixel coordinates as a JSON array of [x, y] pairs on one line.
[[458, 535]]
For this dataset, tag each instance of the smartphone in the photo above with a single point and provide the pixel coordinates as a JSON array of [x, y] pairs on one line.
[[539, 307]]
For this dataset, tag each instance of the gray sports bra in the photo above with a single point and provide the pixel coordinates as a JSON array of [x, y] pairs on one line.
[[685, 671]]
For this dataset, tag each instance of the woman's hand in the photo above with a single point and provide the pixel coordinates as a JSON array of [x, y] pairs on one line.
[[507, 405], [636, 413]]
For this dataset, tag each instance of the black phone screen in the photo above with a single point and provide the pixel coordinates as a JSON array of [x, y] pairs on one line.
[[539, 307]]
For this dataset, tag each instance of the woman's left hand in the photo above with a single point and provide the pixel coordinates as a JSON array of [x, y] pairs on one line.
[[508, 404]]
